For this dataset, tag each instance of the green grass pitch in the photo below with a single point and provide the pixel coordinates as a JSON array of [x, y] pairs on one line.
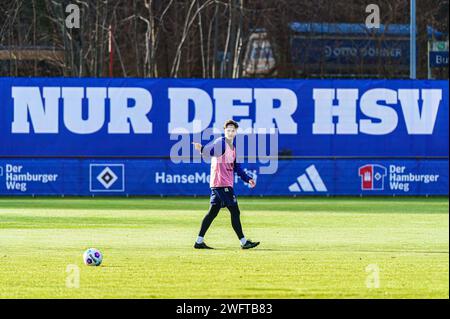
[[310, 248]]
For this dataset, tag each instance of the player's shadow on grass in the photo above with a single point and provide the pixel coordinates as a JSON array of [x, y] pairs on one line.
[[258, 249], [343, 251]]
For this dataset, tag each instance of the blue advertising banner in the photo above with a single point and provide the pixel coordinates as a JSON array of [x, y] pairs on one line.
[[163, 177], [307, 51], [94, 117], [438, 59]]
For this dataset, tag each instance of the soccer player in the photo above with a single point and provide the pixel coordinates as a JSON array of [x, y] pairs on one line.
[[223, 165]]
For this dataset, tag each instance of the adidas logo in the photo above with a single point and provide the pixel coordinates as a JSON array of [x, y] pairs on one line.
[[309, 182]]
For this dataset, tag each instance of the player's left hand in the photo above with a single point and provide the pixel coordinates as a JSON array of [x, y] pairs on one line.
[[252, 183]]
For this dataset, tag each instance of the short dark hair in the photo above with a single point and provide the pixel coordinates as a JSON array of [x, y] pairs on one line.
[[230, 122]]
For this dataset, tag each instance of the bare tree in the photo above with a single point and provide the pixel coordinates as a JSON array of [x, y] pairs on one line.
[[192, 38]]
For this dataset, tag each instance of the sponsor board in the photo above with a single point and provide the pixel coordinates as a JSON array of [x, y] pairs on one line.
[[310, 181], [162, 177], [107, 177], [397, 178], [27, 178]]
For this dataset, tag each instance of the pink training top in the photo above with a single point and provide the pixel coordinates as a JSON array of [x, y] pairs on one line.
[[222, 169]]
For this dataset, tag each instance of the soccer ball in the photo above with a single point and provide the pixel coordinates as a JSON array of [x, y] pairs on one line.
[[92, 257]]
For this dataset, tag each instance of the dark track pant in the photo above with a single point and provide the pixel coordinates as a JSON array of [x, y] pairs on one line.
[[212, 213]]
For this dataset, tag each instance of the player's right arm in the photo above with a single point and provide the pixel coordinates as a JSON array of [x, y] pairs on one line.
[[215, 148]]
